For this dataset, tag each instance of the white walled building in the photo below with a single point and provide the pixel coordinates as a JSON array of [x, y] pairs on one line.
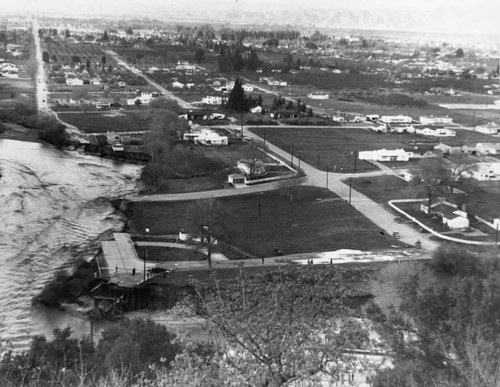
[[431, 120], [385, 155], [396, 119]]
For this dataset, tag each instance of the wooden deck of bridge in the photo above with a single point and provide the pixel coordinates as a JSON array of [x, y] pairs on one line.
[[121, 264]]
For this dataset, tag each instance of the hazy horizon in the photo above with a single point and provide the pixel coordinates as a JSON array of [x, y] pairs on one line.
[[446, 16]]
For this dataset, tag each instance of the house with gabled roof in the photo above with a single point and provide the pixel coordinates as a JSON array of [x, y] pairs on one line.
[[450, 215]]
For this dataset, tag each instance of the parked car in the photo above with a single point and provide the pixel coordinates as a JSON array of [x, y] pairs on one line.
[[399, 220]]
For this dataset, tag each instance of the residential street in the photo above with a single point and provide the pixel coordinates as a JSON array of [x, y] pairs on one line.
[[165, 92]]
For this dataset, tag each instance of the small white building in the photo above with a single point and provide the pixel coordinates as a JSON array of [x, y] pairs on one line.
[[450, 215], [212, 100], [256, 110], [431, 120], [396, 119], [248, 88], [178, 85], [236, 179], [489, 128], [318, 95], [384, 155], [74, 81], [486, 148], [205, 137], [249, 168]]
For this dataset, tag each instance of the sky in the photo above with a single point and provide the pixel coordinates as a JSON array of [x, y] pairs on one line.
[[457, 15]]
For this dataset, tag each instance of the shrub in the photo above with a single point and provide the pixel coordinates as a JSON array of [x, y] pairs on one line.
[[451, 259]]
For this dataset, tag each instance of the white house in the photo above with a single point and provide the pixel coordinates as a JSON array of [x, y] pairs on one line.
[[431, 120], [487, 148], [439, 132], [489, 128], [396, 119], [185, 66], [256, 168], [256, 110], [143, 98], [248, 88], [212, 100], [450, 215], [484, 171], [74, 81], [205, 137], [384, 155], [178, 85], [318, 95]]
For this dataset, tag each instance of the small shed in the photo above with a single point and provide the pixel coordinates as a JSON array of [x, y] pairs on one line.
[[236, 179]]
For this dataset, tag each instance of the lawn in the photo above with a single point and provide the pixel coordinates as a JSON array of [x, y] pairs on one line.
[[316, 220], [334, 146], [166, 254], [106, 121], [381, 189]]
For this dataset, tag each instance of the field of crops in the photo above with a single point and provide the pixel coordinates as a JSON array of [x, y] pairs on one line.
[[65, 51]]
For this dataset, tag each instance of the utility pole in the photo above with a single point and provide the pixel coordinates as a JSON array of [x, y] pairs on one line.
[[265, 135], [260, 195], [355, 159], [146, 258], [291, 158], [299, 161], [350, 189], [326, 177]]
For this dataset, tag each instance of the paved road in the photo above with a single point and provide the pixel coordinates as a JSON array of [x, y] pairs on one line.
[[41, 85], [378, 214], [138, 72], [207, 194]]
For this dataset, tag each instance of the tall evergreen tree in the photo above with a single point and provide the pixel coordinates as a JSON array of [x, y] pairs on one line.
[[237, 100]]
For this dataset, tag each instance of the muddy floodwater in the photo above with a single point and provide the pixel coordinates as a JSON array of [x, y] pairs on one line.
[[54, 209]]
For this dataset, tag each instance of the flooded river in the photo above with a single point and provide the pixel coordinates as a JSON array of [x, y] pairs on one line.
[[54, 209]]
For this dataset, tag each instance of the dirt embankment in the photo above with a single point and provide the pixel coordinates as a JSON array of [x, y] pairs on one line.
[[18, 132]]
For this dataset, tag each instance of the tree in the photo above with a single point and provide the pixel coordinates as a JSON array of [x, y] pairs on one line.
[[459, 171], [54, 58], [105, 37], [252, 153], [136, 345], [87, 64], [199, 55], [280, 328], [310, 112], [237, 100], [430, 174], [75, 59], [129, 31], [67, 33], [103, 60], [445, 331], [205, 221], [45, 57], [459, 53]]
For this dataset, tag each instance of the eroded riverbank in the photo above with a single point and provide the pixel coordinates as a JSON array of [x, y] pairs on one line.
[[55, 209]]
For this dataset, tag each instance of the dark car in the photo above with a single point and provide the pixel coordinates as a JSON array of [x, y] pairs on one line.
[[399, 220]]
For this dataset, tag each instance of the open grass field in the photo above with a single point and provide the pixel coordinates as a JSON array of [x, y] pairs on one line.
[[316, 220], [106, 121], [381, 189], [335, 146]]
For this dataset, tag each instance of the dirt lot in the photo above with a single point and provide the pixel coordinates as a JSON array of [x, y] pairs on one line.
[[316, 220]]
